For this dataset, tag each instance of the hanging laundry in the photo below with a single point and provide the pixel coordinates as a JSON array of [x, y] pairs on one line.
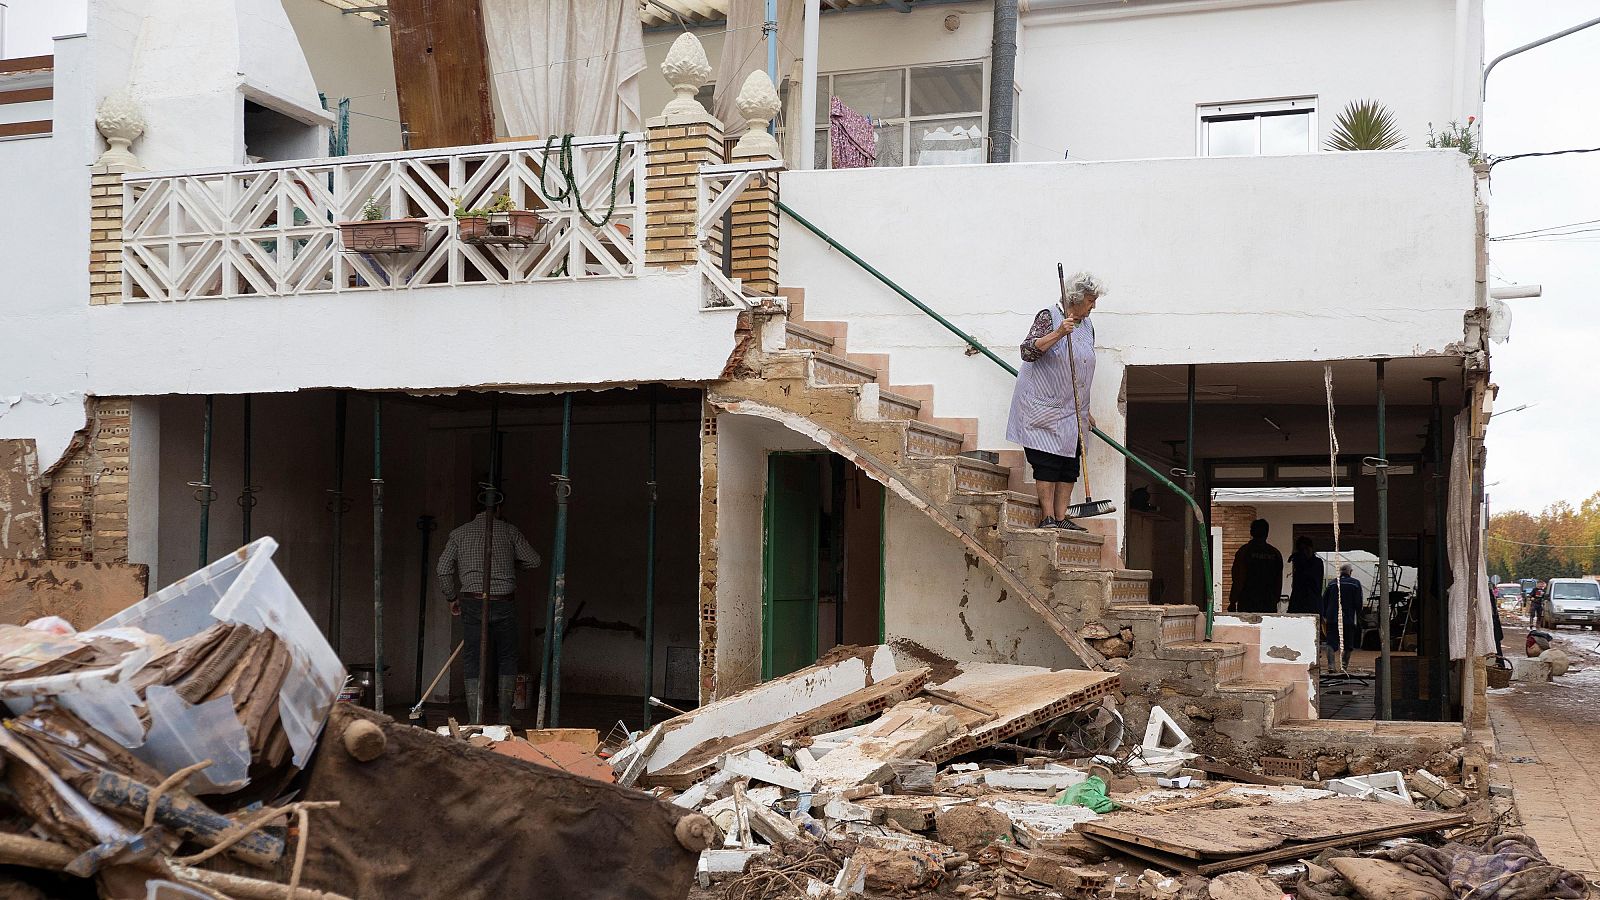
[[851, 138]]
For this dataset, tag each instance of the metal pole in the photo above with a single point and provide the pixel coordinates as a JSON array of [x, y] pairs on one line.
[[425, 524], [204, 492], [807, 114], [1002, 81], [1439, 621], [377, 553], [558, 567], [1385, 629], [491, 508], [1483, 85], [336, 585], [770, 29], [1188, 521], [650, 569], [247, 495]]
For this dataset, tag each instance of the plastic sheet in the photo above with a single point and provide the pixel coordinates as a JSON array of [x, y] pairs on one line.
[[182, 735]]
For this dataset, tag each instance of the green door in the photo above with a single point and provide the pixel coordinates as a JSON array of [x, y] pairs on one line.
[[789, 562]]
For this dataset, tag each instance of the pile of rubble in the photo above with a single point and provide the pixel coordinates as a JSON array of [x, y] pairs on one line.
[[853, 778]]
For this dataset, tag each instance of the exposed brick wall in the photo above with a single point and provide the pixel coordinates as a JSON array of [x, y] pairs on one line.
[[105, 235], [86, 493], [674, 154], [1234, 520], [755, 237], [708, 553]]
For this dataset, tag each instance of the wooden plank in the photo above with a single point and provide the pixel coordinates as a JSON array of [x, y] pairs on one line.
[[21, 516], [27, 63], [27, 95], [26, 129], [83, 593], [1166, 860], [1295, 851], [441, 72], [1238, 774]]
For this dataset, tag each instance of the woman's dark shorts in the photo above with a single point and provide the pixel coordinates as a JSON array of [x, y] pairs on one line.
[[1051, 466]]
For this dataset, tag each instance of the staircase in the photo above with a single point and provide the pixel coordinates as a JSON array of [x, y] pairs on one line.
[[800, 372]]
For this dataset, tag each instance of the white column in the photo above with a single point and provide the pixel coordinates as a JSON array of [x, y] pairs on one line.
[[806, 141], [144, 485]]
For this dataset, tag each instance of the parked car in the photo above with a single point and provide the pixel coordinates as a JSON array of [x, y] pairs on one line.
[[1573, 601], [1508, 596]]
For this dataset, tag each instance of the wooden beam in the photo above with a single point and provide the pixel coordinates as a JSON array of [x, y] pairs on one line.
[[441, 72], [1297, 851], [21, 129], [27, 63], [27, 95]]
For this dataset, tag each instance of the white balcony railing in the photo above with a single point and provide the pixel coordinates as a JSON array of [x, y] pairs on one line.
[[272, 229]]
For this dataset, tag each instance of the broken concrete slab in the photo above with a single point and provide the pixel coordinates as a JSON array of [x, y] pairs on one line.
[[758, 766], [907, 731], [1385, 787], [1426, 784], [996, 701], [1030, 778]]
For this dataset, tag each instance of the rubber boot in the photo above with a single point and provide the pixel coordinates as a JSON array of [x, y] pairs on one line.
[[474, 703], [508, 689]]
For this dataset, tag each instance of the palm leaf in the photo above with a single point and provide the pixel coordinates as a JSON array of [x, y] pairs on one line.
[[1365, 125]]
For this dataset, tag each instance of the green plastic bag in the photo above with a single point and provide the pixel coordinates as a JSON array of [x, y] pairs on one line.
[[1091, 793]]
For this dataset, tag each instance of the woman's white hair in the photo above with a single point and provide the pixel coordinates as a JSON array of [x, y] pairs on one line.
[[1083, 283]]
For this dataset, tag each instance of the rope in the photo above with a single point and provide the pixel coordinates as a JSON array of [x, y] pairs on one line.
[[568, 185], [1333, 501]]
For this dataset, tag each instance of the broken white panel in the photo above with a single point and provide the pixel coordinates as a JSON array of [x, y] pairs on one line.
[[758, 766], [698, 792], [852, 877], [1035, 822], [182, 735], [1028, 778], [728, 862], [769, 703], [1160, 727], [1385, 787]]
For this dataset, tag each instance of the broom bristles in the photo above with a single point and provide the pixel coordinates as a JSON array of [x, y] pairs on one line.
[[1090, 509]]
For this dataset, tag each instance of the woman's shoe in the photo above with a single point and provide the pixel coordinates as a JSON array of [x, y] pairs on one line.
[[1069, 525], [1048, 522]]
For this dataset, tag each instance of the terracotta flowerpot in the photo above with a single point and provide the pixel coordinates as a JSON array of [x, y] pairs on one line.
[[472, 228], [384, 235], [518, 227]]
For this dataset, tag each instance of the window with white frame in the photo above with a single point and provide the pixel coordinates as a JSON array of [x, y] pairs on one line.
[[922, 115], [1258, 128]]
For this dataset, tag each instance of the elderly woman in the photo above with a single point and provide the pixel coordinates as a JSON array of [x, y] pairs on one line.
[[1044, 414]]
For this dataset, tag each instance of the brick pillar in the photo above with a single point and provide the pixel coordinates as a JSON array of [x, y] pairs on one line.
[[755, 236], [677, 146], [105, 234], [1234, 520], [87, 491]]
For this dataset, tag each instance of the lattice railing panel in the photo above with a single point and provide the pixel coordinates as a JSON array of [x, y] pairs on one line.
[[272, 229]]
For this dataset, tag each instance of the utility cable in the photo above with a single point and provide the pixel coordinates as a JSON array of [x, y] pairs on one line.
[[1500, 159], [1495, 537]]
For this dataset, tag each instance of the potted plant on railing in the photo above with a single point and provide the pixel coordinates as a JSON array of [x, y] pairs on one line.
[[498, 223], [375, 234]]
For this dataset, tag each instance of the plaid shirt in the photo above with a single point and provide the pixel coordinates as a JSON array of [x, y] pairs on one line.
[[462, 560]]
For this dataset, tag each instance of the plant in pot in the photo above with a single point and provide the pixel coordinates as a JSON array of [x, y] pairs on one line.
[[1458, 136], [501, 222], [373, 233]]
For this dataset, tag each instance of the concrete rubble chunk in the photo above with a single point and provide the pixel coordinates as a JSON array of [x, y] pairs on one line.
[[1426, 784], [1043, 778], [1385, 787]]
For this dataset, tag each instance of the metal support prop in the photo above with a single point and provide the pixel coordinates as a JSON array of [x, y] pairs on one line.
[[1385, 625], [1439, 621], [425, 524], [1188, 478], [650, 568], [550, 675], [377, 552], [247, 494], [336, 577], [491, 509], [203, 491], [980, 348]]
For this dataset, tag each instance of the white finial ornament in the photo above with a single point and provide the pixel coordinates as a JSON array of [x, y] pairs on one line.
[[121, 122], [687, 70], [758, 102]]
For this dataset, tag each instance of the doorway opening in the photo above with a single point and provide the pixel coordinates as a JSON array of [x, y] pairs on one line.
[[822, 559]]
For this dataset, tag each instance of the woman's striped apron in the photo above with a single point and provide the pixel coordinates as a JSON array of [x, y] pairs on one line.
[[1043, 416]]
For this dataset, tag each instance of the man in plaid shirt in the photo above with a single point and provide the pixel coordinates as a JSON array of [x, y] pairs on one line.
[[460, 574]]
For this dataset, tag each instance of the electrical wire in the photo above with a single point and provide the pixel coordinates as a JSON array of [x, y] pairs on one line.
[[1495, 537], [1513, 234], [1500, 159]]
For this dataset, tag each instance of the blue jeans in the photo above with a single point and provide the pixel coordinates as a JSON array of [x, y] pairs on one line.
[[502, 636]]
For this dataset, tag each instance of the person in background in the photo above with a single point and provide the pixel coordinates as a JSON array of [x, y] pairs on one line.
[[460, 574], [1536, 605], [1257, 573], [1044, 411], [1344, 594], [1306, 578]]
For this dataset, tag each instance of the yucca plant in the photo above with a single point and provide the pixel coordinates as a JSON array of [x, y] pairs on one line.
[[1365, 125]]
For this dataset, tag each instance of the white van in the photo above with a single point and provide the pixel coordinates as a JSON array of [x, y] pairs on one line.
[[1573, 601]]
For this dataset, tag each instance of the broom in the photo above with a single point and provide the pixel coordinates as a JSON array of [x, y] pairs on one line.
[[1090, 506]]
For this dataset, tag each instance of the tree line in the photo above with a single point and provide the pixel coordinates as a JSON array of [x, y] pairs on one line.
[[1561, 541]]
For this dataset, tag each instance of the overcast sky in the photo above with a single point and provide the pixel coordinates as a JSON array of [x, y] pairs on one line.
[[1545, 99]]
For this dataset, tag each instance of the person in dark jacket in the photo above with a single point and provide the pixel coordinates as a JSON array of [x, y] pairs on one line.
[[1257, 573], [1306, 578], [1345, 594]]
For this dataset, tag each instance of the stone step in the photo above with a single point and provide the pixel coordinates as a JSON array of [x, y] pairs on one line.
[[1179, 624], [824, 369], [1267, 700], [1224, 661], [1131, 587], [799, 337], [897, 407], [923, 439]]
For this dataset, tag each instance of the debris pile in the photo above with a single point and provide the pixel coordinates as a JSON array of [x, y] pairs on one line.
[[853, 778]]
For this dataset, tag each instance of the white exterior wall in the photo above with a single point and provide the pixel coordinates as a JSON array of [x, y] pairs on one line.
[[1125, 82], [1324, 256], [943, 598]]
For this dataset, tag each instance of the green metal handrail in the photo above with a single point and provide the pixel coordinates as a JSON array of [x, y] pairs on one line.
[[975, 344]]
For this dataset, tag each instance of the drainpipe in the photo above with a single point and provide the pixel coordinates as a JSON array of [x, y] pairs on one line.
[[1002, 80], [1385, 630], [808, 86]]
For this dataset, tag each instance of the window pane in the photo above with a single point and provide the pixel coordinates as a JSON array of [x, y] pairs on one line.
[[880, 95], [940, 90], [891, 145], [1286, 134], [1230, 137], [822, 148], [947, 142]]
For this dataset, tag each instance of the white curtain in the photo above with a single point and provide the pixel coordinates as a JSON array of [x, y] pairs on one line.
[[1470, 576], [744, 50], [565, 66]]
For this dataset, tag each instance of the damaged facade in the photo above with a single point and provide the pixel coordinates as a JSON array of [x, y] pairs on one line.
[[763, 450]]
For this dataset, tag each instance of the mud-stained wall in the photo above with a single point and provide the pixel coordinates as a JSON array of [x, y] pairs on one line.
[[948, 601]]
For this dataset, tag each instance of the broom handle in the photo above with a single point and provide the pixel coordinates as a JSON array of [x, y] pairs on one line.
[[1077, 405]]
